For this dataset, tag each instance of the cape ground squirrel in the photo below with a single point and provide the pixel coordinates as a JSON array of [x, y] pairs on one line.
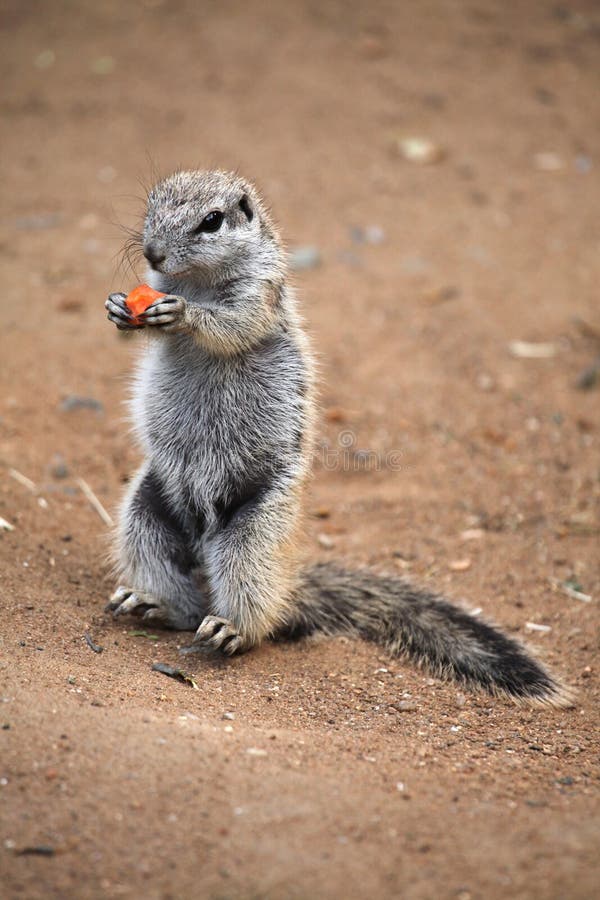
[[209, 534]]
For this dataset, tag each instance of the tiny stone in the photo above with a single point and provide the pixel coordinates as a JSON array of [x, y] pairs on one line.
[[460, 565], [37, 221], [103, 65], [304, 258], [530, 350], [420, 150], [374, 234], [349, 258], [58, 466], [336, 414], [548, 162], [434, 296], [588, 378], [405, 706], [228, 715], [485, 382], [89, 221], [325, 541], [472, 534], [357, 234], [45, 59], [256, 751], [533, 626], [583, 164], [106, 174], [414, 265], [73, 402]]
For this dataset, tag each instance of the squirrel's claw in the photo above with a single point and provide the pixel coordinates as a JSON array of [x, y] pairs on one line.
[[216, 633], [119, 314], [167, 311]]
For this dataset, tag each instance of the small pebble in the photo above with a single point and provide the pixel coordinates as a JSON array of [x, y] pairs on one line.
[[533, 626], [434, 296], [548, 162], [420, 150], [256, 751], [583, 164], [589, 377], [404, 706], [325, 541], [336, 414], [37, 221], [45, 59], [370, 234], [40, 850], [89, 221], [530, 350], [103, 65], [374, 234], [349, 258], [72, 402], [472, 534], [228, 715], [58, 466], [485, 382], [304, 258], [106, 174], [460, 565]]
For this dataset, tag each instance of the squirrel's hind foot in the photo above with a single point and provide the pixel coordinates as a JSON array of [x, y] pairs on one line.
[[150, 608]]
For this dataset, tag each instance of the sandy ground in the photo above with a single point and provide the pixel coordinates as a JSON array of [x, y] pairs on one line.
[[321, 783]]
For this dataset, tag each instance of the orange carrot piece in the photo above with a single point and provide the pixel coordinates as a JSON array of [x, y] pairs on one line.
[[140, 298]]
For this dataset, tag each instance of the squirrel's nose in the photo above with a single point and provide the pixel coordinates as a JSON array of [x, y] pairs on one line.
[[154, 254]]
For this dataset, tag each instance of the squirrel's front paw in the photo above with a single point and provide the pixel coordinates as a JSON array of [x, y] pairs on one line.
[[217, 634], [119, 313], [167, 313]]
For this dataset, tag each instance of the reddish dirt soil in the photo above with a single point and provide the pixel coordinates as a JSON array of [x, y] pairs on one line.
[[137, 782]]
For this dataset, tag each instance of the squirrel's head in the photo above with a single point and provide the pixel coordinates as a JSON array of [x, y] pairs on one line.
[[209, 224]]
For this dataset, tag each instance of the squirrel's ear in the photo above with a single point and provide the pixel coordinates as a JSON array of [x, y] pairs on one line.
[[244, 205]]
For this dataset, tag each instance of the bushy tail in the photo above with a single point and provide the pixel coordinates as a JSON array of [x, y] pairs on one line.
[[411, 622]]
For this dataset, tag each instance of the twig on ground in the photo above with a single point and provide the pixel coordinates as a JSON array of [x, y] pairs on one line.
[[95, 647], [175, 673], [86, 489], [570, 591]]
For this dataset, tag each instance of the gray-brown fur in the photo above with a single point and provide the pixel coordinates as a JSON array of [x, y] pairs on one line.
[[209, 533]]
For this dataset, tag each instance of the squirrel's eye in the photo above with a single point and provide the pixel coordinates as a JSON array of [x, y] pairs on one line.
[[211, 222]]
